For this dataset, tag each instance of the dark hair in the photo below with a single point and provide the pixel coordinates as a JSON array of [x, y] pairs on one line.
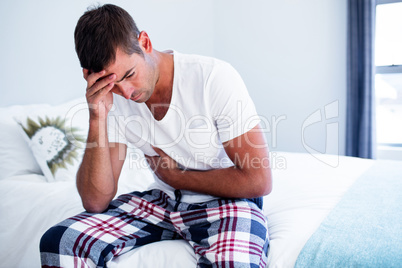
[[100, 31]]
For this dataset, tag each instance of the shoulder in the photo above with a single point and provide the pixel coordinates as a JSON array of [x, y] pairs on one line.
[[205, 63]]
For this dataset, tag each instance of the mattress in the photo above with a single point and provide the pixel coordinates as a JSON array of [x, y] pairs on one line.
[[304, 192], [306, 188]]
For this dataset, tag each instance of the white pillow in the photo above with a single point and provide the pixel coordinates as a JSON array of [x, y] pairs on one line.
[[56, 136], [16, 157], [57, 149]]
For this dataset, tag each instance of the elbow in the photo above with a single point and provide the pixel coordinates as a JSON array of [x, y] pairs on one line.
[[264, 188], [267, 188], [93, 207], [94, 200], [256, 183], [94, 203], [263, 184]]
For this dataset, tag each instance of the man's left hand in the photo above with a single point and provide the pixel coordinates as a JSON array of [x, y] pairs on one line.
[[164, 167]]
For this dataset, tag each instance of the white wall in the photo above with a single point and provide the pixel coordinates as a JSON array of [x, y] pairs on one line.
[[291, 54], [38, 60]]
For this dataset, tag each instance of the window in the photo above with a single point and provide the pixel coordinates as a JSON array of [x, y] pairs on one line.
[[388, 79]]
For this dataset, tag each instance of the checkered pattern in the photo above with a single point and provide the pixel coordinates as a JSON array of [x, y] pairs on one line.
[[223, 233]]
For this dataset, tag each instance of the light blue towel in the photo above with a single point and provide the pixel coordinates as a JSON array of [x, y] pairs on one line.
[[365, 227]]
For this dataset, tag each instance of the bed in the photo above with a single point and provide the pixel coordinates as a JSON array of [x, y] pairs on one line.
[[324, 210]]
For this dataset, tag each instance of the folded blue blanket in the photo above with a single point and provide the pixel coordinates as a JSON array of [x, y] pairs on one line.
[[365, 227]]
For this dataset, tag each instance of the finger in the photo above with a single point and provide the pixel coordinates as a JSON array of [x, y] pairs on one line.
[[159, 151], [99, 80], [100, 92], [149, 160], [106, 83], [167, 159], [94, 77], [153, 158], [153, 161]]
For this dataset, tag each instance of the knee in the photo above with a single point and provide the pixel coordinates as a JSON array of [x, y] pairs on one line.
[[51, 239]]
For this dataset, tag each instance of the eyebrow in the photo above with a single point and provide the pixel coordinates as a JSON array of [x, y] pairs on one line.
[[125, 75]]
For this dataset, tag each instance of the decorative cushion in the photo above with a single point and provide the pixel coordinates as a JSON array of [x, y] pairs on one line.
[[49, 140], [18, 157], [57, 147]]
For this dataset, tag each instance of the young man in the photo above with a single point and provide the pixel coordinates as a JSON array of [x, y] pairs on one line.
[[198, 128]]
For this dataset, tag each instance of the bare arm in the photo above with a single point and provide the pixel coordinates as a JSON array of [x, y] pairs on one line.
[[100, 169], [98, 175], [249, 178]]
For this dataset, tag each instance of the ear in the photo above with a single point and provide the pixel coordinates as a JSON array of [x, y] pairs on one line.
[[145, 42], [85, 73]]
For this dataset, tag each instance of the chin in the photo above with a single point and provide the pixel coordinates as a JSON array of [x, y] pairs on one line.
[[137, 101]]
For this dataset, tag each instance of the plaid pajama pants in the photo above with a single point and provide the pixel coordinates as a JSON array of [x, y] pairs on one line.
[[223, 232]]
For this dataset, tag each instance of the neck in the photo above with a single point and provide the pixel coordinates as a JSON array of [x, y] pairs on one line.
[[163, 88], [161, 98]]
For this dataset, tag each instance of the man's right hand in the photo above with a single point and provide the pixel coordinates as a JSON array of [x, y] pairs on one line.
[[97, 177], [98, 93]]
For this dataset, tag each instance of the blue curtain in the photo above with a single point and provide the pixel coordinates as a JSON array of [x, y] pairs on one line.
[[360, 120]]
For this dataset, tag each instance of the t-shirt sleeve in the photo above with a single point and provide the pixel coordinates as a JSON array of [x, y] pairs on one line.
[[231, 106], [115, 129]]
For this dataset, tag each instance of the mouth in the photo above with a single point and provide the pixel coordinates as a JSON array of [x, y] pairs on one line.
[[136, 97]]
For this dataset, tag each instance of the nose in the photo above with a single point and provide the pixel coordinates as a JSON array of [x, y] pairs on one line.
[[124, 89]]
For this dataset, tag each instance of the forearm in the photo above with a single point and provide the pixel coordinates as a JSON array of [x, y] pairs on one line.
[[250, 176], [95, 182], [231, 182]]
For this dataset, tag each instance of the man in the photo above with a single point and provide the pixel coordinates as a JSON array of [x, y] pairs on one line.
[[197, 126]]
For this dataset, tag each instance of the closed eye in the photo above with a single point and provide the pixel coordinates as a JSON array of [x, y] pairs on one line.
[[126, 74], [130, 75]]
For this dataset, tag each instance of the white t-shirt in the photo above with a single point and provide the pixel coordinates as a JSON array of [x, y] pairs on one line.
[[209, 105]]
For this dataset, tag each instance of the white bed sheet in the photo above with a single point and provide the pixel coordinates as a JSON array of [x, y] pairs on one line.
[[303, 195], [304, 192]]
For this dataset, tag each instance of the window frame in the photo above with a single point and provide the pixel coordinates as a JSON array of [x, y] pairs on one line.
[[388, 69], [382, 2], [389, 150]]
